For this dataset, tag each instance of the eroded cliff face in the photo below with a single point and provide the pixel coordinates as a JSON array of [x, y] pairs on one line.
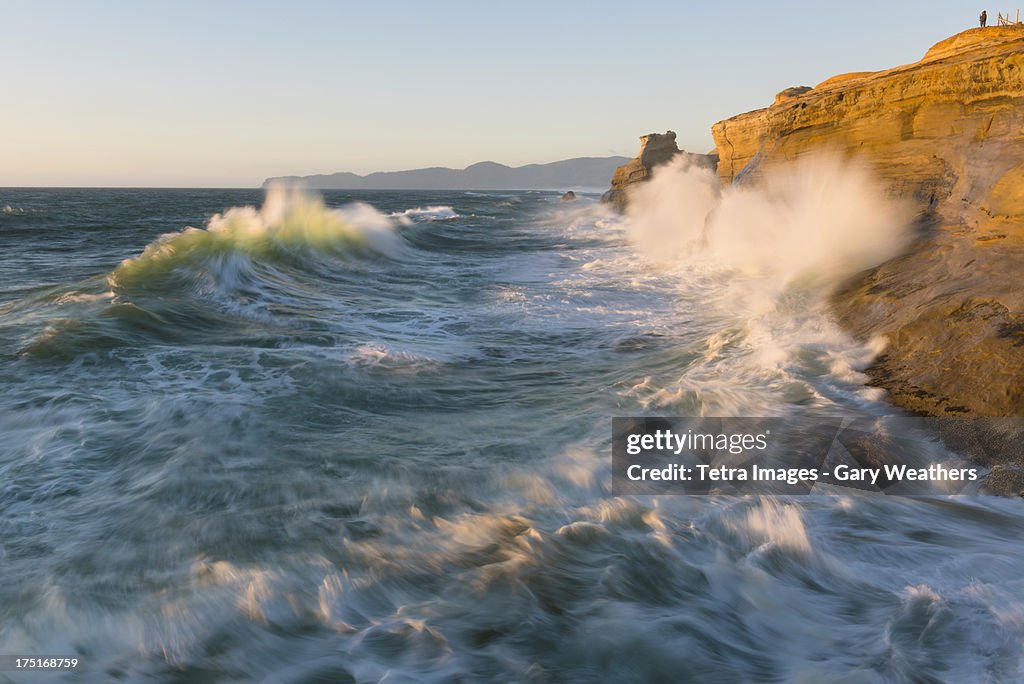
[[949, 126], [655, 149], [947, 134]]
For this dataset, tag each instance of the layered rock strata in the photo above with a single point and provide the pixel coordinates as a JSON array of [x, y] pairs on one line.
[[946, 134]]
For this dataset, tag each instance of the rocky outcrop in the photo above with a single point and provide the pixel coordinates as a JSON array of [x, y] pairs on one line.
[[655, 149], [790, 93], [568, 197], [946, 133]]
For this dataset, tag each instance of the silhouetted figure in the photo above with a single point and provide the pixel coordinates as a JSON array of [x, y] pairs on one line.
[[983, 18]]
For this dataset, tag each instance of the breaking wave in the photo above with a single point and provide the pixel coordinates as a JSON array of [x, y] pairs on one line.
[[436, 213], [763, 260], [817, 222], [289, 225]]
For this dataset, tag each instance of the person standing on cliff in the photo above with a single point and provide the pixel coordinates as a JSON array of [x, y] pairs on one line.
[[983, 18]]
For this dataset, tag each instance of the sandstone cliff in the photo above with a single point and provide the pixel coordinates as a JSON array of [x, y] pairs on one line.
[[655, 149], [946, 133], [947, 125]]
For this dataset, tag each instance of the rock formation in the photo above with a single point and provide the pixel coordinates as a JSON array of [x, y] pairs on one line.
[[950, 121], [568, 197], [946, 133], [655, 149]]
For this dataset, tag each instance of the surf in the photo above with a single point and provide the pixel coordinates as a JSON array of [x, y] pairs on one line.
[[290, 225]]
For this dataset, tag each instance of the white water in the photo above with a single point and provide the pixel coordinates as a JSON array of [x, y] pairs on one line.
[[346, 465]]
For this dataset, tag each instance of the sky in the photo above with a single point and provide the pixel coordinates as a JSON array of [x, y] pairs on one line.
[[225, 94]]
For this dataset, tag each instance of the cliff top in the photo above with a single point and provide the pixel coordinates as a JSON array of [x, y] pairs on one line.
[[975, 39], [971, 45], [657, 148]]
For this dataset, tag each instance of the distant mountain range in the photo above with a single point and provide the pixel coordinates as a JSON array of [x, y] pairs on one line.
[[582, 172]]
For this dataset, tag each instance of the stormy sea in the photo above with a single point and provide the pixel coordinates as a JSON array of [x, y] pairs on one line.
[[366, 436]]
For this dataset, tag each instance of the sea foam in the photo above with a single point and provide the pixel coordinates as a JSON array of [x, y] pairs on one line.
[[290, 221], [818, 221]]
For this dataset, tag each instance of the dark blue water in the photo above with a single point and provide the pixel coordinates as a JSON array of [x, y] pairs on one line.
[[328, 442]]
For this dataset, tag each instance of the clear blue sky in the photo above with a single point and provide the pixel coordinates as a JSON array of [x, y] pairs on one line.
[[226, 93]]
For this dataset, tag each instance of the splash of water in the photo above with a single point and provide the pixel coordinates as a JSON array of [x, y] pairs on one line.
[[431, 213], [817, 222], [762, 259], [289, 222]]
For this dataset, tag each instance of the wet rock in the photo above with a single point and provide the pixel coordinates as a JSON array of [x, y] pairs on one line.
[[944, 135]]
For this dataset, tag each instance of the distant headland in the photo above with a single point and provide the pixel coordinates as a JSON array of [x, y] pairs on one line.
[[577, 173]]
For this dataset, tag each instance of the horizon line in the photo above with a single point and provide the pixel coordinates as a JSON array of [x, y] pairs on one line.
[[262, 188]]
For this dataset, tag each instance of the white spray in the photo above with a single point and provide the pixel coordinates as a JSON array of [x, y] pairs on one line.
[[818, 221], [758, 262]]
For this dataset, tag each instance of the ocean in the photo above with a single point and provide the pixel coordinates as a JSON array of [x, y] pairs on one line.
[[366, 436]]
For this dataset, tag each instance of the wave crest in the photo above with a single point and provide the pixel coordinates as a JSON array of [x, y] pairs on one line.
[[431, 213], [289, 223]]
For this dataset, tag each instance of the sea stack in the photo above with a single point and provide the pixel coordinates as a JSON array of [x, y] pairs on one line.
[[655, 149]]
